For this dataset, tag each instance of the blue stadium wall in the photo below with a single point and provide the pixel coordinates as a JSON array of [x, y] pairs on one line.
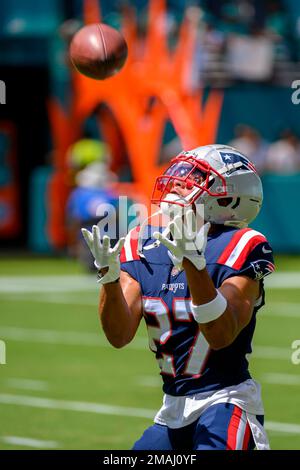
[[270, 110]]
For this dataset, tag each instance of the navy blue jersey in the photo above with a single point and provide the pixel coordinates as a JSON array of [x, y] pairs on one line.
[[188, 365]]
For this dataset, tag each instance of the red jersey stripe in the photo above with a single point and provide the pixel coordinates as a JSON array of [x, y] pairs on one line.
[[233, 428], [252, 243], [122, 256], [247, 437], [231, 245]]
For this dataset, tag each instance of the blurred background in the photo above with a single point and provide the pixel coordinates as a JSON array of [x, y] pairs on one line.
[[198, 72]]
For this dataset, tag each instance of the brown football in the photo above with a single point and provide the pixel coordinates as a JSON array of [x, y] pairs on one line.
[[98, 51]]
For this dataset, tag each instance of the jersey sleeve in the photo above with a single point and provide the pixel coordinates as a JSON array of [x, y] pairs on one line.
[[129, 257], [248, 254], [259, 262]]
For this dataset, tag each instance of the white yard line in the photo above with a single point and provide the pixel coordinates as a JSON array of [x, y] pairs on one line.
[[100, 408], [62, 337], [282, 428], [69, 298], [73, 283], [148, 381], [283, 280], [95, 340], [50, 336], [28, 442], [270, 352], [87, 407], [280, 379], [281, 309], [55, 283], [27, 384], [272, 309]]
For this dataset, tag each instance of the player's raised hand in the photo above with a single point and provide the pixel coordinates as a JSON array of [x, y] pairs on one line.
[[105, 256], [187, 242]]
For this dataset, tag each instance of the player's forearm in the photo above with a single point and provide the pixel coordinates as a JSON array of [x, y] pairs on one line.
[[200, 284], [115, 315], [221, 332]]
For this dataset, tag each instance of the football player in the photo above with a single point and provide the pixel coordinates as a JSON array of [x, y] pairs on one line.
[[199, 288]]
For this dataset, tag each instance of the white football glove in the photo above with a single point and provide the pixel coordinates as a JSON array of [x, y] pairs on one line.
[[187, 242], [105, 256]]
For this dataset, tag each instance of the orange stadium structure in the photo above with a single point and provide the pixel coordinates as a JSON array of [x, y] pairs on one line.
[[153, 73]]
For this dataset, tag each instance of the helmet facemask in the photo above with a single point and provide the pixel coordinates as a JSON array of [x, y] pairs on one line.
[[196, 176]]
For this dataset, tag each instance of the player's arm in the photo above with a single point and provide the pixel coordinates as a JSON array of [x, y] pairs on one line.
[[240, 293], [120, 310], [120, 302]]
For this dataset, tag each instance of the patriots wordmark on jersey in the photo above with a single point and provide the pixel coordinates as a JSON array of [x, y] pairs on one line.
[[187, 363]]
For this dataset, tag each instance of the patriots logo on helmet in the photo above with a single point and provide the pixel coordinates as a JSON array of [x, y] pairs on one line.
[[230, 158]]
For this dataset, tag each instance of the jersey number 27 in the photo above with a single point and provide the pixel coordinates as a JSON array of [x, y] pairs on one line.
[[161, 333]]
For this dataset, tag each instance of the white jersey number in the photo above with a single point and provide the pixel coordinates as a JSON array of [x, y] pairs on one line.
[[162, 332]]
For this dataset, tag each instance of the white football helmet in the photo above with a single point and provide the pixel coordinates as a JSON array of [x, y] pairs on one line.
[[221, 178]]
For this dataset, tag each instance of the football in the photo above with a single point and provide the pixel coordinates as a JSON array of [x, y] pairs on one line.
[[98, 51]]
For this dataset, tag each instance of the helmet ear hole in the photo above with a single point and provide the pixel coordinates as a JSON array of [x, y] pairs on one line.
[[237, 203], [225, 201]]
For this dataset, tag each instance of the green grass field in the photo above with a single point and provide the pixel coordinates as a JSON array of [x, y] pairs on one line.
[[63, 386]]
